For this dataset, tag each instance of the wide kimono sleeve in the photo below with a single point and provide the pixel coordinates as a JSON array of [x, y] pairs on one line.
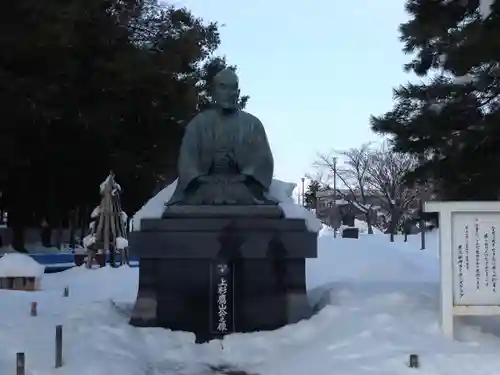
[[189, 165], [255, 154]]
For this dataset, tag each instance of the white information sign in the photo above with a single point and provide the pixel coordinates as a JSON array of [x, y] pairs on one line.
[[468, 253], [475, 258]]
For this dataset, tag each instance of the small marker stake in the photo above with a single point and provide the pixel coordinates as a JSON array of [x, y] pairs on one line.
[[34, 309], [20, 364], [413, 361], [59, 337]]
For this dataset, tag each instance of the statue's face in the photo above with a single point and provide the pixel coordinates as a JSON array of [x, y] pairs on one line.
[[227, 93]]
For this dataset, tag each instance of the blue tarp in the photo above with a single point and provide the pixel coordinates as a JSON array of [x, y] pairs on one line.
[[63, 261]]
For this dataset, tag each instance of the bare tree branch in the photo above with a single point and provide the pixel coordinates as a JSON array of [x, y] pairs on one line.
[[373, 174], [352, 173]]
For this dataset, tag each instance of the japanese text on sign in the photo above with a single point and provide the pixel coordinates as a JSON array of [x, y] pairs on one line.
[[222, 305], [475, 282]]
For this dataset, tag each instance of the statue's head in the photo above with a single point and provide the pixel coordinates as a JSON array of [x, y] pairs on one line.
[[226, 89]]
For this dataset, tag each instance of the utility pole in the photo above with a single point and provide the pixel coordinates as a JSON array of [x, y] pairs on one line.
[[421, 208], [421, 221], [303, 192], [335, 191]]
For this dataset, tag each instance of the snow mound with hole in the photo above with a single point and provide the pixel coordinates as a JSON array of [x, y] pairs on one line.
[[20, 265]]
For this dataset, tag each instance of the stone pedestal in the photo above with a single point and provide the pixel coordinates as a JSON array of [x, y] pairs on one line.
[[263, 257]]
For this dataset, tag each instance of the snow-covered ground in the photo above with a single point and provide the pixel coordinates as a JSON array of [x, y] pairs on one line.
[[380, 303]]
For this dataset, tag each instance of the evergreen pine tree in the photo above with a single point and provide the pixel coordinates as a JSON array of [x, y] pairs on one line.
[[310, 198], [451, 118], [90, 86]]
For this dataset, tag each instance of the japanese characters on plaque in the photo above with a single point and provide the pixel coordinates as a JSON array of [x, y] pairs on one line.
[[474, 238], [222, 296]]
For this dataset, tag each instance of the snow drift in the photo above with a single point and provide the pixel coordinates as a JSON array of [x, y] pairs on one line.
[[20, 265]]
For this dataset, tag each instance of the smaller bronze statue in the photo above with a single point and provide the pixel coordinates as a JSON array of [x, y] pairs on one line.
[[225, 158]]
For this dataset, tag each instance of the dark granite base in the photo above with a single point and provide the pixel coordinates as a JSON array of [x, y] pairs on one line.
[[175, 278], [224, 211], [181, 298]]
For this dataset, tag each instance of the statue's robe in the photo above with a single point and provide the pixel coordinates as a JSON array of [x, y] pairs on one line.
[[209, 132]]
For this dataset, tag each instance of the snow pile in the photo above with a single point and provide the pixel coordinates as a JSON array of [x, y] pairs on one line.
[[381, 305], [153, 208], [115, 186], [121, 243], [88, 241], [326, 231], [20, 265], [282, 192], [96, 212], [363, 227], [279, 190], [124, 217], [370, 258], [360, 224], [485, 8]]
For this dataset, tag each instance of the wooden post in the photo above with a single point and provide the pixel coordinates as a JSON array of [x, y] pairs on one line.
[[20, 364], [98, 229], [121, 228], [114, 235], [34, 309], [108, 225], [413, 363], [59, 337], [107, 228], [90, 256]]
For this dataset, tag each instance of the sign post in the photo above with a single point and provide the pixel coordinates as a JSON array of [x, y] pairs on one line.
[[468, 253]]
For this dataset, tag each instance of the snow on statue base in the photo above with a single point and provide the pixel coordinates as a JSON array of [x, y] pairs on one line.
[[221, 274]]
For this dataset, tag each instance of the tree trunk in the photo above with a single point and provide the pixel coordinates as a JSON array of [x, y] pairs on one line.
[[59, 233], [45, 234], [73, 222], [112, 260], [392, 228], [369, 222], [393, 225], [17, 223], [407, 228]]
